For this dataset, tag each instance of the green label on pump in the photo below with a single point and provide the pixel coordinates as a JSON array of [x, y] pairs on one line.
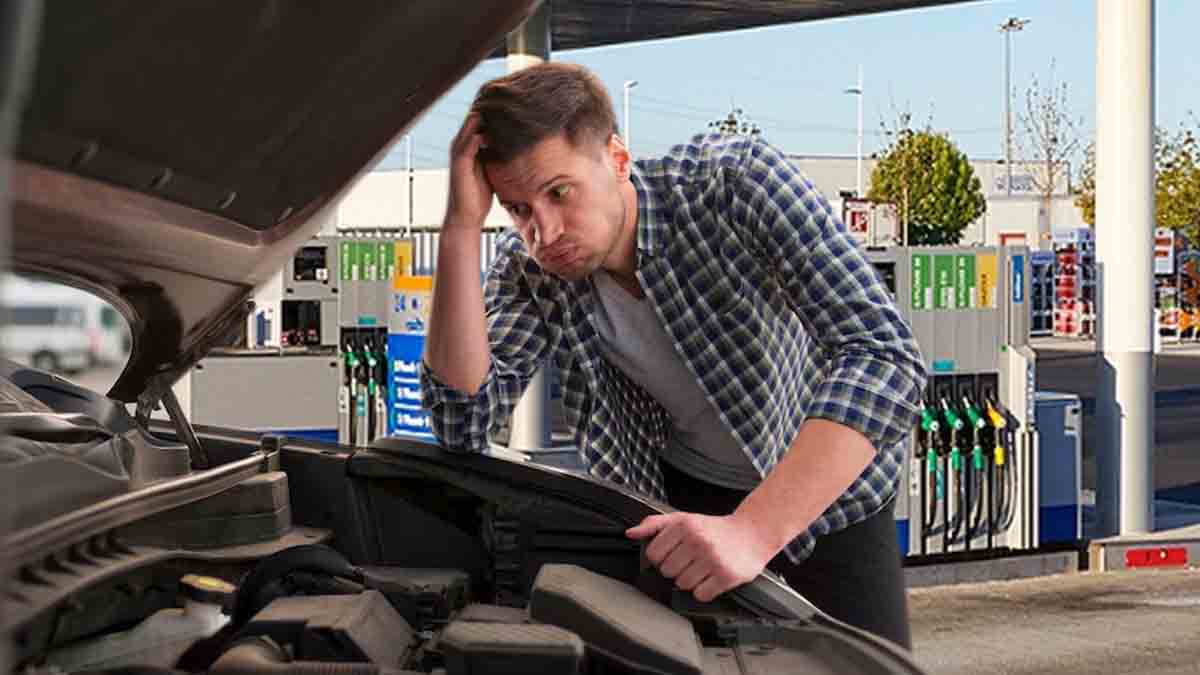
[[943, 281], [964, 282], [346, 255], [387, 261], [922, 282], [367, 250]]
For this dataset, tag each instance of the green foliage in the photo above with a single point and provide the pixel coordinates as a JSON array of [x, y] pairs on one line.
[[1176, 182], [932, 185]]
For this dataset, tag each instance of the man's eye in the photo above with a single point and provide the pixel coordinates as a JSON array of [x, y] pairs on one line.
[[560, 191]]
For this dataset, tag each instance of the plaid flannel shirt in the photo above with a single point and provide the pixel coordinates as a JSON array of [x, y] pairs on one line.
[[770, 303]]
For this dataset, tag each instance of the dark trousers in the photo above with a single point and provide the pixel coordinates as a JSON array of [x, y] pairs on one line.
[[854, 575]]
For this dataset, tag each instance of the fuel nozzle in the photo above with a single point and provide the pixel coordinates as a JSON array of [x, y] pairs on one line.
[[953, 421], [929, 421], [999, 421], [368, 357], [995, 416], [929, 427], [974, 415], [350, 358], [955, 424]]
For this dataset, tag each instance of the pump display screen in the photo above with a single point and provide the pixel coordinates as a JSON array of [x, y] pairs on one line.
[[310, 264]]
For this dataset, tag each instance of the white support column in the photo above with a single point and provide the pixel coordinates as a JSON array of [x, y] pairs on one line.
[[531, 420], [1125, 259]]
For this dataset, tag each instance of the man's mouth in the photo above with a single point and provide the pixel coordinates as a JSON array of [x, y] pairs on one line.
[[558, 258]]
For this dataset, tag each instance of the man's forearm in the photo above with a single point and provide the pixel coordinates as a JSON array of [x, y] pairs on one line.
[[821, 463], [456, 347]]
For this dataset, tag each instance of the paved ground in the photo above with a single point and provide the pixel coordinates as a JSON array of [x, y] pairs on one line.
[[1116, 622], [1070, 366]]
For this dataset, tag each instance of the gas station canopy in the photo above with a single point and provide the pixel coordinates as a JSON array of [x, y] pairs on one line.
[[592, 23]]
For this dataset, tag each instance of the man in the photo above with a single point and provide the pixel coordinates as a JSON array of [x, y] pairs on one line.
[[724, 345]]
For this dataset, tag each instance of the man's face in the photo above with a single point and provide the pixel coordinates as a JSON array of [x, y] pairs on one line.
[[566, 202]]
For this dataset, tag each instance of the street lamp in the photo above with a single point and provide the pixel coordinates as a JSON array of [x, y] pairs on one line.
[[858, 91], [1008, 28], [629, 84]]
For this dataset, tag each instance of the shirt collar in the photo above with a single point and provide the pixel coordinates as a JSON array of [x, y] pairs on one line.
[[651, 223]]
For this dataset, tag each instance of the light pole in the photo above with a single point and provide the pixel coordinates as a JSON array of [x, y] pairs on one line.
[[629, 84], [858, 91], [1008, 27]]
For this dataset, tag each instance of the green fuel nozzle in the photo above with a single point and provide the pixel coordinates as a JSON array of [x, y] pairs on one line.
[[929, 422], [952, 419], [974, 418]]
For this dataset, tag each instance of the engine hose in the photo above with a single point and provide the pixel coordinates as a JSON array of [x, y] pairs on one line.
[[262, 585], [261, 656]]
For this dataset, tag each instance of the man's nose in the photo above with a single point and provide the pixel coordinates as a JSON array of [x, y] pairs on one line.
[[547, 229]]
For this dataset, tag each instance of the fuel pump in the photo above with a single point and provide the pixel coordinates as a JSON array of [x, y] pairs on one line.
[[1005, 481], [362, 398], [372, 407], [927, 440], [974, 479], [381, 389], [951, 467], [347, 403], [997, 423]]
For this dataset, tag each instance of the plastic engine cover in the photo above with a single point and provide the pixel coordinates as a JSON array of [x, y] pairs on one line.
[[361, 627]]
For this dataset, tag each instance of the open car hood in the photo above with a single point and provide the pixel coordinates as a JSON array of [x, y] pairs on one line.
[[173, 155]]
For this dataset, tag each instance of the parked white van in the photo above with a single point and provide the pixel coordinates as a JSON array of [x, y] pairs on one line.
[[59, 328]]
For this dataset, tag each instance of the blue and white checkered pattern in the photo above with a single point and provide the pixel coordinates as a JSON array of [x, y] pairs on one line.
[[770, 303]]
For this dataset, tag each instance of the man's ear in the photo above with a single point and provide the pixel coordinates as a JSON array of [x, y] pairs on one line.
[[620, 156]]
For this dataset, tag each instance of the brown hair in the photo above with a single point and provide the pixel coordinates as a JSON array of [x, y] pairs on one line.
[[524, 108]]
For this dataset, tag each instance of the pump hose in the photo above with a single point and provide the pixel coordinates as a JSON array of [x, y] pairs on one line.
[[977, 517]]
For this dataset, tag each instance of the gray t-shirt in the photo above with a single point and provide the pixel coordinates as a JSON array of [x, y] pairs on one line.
[[633, 339]]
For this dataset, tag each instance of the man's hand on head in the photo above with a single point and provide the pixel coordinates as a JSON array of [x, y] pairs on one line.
[[707, 555], [470, 197]]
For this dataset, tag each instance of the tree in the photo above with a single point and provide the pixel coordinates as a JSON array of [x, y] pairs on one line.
[[1049, 138], [932, 184], [736, 123], [1176, 182]]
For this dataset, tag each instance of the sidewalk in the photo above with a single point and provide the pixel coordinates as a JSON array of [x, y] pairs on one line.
[[1109, 622]]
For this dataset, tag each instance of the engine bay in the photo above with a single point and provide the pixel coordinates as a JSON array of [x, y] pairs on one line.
[[396, 558]]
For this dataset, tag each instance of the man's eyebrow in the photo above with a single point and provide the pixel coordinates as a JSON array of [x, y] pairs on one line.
[[559, 176]]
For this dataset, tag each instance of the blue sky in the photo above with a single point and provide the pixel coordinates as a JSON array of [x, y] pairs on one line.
[[945, 61]]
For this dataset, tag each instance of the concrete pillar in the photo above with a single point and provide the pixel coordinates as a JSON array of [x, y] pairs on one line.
[[531, 420], [1125, 263]]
